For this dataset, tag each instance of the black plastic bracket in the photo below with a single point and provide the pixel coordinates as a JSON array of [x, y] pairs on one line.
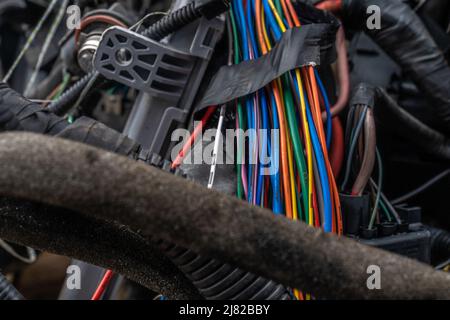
[[143, 64]]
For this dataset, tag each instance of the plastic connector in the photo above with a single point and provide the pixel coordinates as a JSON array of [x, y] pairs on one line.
[[212, 8]]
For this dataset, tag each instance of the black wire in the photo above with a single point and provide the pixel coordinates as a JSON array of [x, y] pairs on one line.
[[387, 203], [354, 141], [172, 22], [376, 204], [159, 30], [63, 103], [422, 188]]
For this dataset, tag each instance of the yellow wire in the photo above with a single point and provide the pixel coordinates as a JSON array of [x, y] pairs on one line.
[[306, 133], [305, 123], [308, 146], [297, 294], [263, 21], [277, 16], [292, 178]]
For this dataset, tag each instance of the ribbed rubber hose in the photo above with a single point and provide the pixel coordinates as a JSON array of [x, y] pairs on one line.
[[440, 244], [7, 290], [218, 281]]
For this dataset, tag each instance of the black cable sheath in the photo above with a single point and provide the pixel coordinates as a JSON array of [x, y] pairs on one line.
[[424, 187], [405, 38], [440, 245], [172, 22], [412, 129], [63, 103]]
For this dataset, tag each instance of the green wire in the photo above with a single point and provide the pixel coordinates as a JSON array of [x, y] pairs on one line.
[[65, 82], [240, 193], [298, 147], [301, 213], [379, 192], [279, 7], [386, 211]]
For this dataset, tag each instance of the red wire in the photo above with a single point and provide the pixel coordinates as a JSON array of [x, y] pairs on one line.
[[330, 5], [97, 18], [337, 147], [103, 285], [198, 129]]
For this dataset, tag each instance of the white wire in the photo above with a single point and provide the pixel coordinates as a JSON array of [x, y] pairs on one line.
[[138, 24], [31, 253], [212, 173], [46, 45], [30, 40]]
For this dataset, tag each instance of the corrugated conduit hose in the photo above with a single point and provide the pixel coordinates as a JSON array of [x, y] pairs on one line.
[[7, 290]]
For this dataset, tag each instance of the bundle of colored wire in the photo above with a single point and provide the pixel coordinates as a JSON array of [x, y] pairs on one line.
[[361, 157], [283, 121]]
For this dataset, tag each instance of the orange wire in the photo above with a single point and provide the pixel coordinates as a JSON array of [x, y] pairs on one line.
[[337, 218], [284, 151], [280, 108], [286, 13], [261, 39], [293, 13]]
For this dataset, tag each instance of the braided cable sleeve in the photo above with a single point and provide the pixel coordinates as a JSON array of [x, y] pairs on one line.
[[61, 105], [172, 22]]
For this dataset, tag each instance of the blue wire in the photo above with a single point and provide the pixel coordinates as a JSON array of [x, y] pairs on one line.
[[271, 20], [264, 144], [251, 29], [255, 52], [242, 25], [275, 154], [327, 107], [320, 160], [328, 216]]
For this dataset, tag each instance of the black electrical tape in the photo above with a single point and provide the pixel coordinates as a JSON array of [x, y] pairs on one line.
[[307, 45], [19, 114], [363, 94]]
